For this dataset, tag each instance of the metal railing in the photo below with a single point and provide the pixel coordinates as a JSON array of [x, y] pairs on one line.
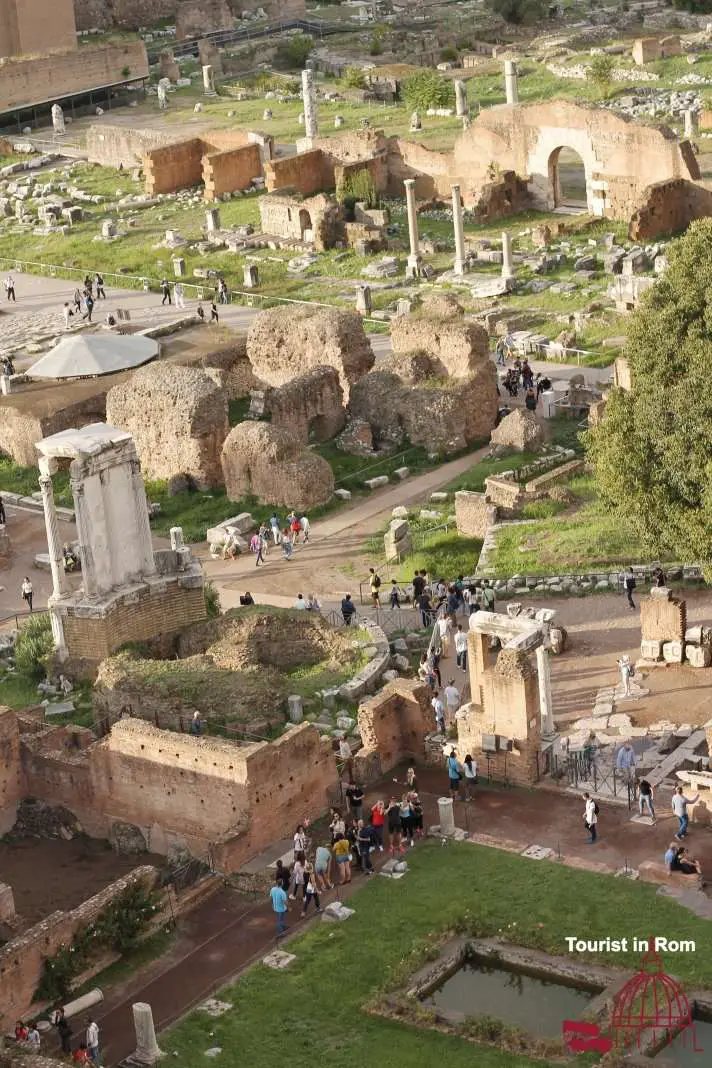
[[189, 46]]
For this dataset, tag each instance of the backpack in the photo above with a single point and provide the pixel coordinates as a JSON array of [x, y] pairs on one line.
[[595, 807], [376, 582]]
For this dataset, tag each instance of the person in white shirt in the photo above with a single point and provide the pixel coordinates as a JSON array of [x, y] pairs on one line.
[[33, 1038], [300, 602], [679, 807], [92, 1039], [439, 710], [179, 294], [590, 817], [461, 647], [470, 767], [444, 632], [304, 524], [452, 700]]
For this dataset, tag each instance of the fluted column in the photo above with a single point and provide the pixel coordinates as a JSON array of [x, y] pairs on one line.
[[54, 542], [459, 265]]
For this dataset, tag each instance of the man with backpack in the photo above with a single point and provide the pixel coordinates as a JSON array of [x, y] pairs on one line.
[[629, 585], [375, 585], [590, 817]]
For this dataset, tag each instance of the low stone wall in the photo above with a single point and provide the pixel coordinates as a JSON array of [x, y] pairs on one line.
[[234, 169], [504, 492], [474, 514], [552, 478], [393, 726]]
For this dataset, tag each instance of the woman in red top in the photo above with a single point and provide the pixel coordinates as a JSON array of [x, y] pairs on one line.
[[378, 818], [20, 1032]]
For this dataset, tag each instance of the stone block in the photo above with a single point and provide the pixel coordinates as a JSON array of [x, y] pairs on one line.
[[402, 473], [376, 483], [673, 652], [694, 635], [295, 708], [336, 912], [698, 656], [398, 529], [651, 649], [400, 512], [243, 522], [439, 496], [343, 494]]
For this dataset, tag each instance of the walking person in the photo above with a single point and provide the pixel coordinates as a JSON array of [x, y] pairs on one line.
[[166, 291], [300, 840], [416, 808], [64, 1030], [625, 762], [67, 313], [89, 305], [629, 586], [342, 856], [200, 312], [407, 818], [470, 769], [394, 595], [77, 300], [257, 548], [426, 609], [626, 669], [355, 796], [444, 632], [222, 290], [27, 591], [280, 905], [461, 647], [366, 838], [439, 710], [311, 890], [348, 609], [92, 1039], [322, 867], [452, 702], [645, 798], [378, 819], [374, 583], [679, 807], [179, 294], [298, 876], [214, 317], [395, 826], [590, 818], [454, 773], [100, 292], [487, 597], [304, 525], [10, 288]]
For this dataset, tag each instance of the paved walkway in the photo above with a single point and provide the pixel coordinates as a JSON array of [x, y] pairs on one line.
[[228, 932]]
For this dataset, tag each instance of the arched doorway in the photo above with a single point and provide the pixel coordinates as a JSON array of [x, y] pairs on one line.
[[305, 225], [567, 179]]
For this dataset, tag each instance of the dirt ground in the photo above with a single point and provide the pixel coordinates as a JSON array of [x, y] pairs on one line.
[[49, 874]]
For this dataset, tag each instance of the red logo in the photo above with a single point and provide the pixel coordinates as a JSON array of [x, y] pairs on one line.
[[648, 1012]]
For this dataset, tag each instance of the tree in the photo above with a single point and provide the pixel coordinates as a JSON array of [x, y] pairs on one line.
[[427, 89], [298, 49], [353, 78], [652, 452], [520, 12], [600, 72]]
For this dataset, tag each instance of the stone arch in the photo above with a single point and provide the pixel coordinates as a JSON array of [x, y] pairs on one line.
[[568, 181], [542, 165], [305, 225]]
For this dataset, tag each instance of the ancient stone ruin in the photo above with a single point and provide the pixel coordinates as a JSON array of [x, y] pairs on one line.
[[310, 406], [438, 328], [271, 464], [285, 342], [178, 419], [520, 430]]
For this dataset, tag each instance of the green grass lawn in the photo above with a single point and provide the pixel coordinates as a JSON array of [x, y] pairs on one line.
[[314, 1009], [445, 554]]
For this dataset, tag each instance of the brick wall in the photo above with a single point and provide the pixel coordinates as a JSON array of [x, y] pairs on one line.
[[21, 960], [667, 208], [32, 26], [663, 619], [20, 430], [29, 81], [552, 478], [309, 172], [142, 616], [197, 17], [376, 166], [11, 779], [393, 726], [111, 145], [473, 514], [503, 492], [233, 169], [174, 167]]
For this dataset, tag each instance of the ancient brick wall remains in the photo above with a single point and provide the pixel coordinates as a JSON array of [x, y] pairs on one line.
[[174, 167], [111, 145], [19, 429], [622, 377], [375, 166], [21, 960], [668, 208], [552, 478], [233, 169], [663, 619], [195, 18], [503, 492], [474, 514], [36, 26], [271, 464], [126, 14], [310, 406], [11, 779], [308, 173], [29, 81], [393, 726], [460, 347], [432, 170]]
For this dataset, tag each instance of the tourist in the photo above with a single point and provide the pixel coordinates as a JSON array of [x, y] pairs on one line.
[[166, 291], [354, 797], [470, 596], [454, 772], [222, 290], [92, 1037], [426, 609], [434, 660], [677, 859], [89, 305], [527, 375], [256, 547], [629, 586], [246, 599], [346, 756], [366, 838], [444, 632], [589, 754], [411, 778], [416, 806], [81, 1054], [394, 595], [280, 906], [294, 527], [679, 807], [305, 527], [9, 284], [20, 1031], [64, 1030], [282, 875], [590, 818], [100, 292], [352, 837], [470, 769], [3, 517], [452, 701], [196, 724], [488, 597], [348, 609], [499, 349], [374, 583], [337, 825], [200, 312], [214, 317], [322, 867], [439, 710], [88, 283], [530, 400], [276, 532], [77, 300], [69, 558], [454, 601], [300, 604], [300, 840], [626, 670], [342, 856], [230, 549], [645, 798], [298, 875], [543, 384], [378, 819], [425, 671], [418, 588], [395, 827], [312, 603], [8, 367], [311, 889], [407, 821], [179, 294], [287, 547], [625, 762], [461, 647], [659, 577], [33, 1038], [27, 591], [68, 314]]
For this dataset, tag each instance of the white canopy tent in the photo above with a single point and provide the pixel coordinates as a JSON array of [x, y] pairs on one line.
[[94, 354]]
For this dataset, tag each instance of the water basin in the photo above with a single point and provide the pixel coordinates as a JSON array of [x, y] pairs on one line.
[[686, 1053]]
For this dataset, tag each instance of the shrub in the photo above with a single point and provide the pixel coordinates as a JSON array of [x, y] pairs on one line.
[[34, 647], [376, 44], [298, 49], [353, 78], [359, 186], [448, 54], [600, 73], [212, 600], [427, 89], [519, 12]]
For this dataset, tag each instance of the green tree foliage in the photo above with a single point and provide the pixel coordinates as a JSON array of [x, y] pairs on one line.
[[519, 12], [600, 72], [212, 600], [427, 89], [358, 187], [652, 451], [353, 78], [448, 54], [696, 7], [298, 49], [34, 646]]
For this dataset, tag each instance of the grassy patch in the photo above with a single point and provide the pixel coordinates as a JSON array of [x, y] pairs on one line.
[[446, 553], [16, 691], [350, 472], [237, 410], [25, 480], [469, 888], [307, 679]]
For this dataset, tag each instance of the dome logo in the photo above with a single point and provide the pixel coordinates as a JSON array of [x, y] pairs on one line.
[[649, 1011]]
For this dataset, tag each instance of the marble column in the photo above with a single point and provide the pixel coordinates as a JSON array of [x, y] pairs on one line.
[[459, 265], [507, 262], [511, 87], [545, 702], [147, 1051], [413, 265], [208, 80], [212, 220], [447, 816], [311, 128], [176, 538], [146, 563], [57, 119], [54, 542], [461, 106], [690, 123]]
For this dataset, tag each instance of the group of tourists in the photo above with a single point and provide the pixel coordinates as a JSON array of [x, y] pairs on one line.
[[171, 291], [275, 533], [87, 1051]]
